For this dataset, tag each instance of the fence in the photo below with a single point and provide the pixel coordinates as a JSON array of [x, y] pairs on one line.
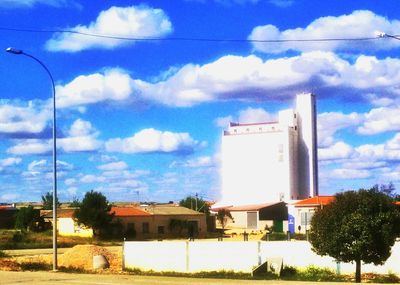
[[238, 256]]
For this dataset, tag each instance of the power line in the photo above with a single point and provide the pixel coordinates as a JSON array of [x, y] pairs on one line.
[[195, 39]]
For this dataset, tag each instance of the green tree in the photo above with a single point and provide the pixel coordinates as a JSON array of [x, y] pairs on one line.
[[94, 212], [47, 201], [27, 218], [195, 203], [75, 203], [223, 216], [359, 226]]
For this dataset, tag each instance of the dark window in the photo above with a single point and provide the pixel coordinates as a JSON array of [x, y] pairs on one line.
[[130, 226], [160, 229], [145, 228]]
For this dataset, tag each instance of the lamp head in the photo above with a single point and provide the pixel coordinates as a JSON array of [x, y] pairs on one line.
[[14, 50]]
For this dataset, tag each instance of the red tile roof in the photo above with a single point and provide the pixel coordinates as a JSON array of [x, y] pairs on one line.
[[128, 212], [316, 201]]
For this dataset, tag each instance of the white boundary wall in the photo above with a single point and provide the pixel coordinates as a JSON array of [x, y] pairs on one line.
[[238, 256]]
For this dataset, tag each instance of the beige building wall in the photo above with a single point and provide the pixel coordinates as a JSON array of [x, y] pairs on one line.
[[68, 227]]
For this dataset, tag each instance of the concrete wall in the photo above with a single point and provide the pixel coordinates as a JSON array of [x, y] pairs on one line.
[[181, 256], [68, 227]]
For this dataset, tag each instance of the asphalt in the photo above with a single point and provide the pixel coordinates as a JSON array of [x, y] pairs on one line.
[[50, 278]]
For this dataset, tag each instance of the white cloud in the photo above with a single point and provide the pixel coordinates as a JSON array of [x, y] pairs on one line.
[[82, 138], [10, 197], [342, 173], [151, 140], [223, 122], [255, 115], [251, 78], [331, 122], [23, 119], [381, 120], [111, 85], [339, 150], [70, 181], [113, 166], [359, 24], [202, 161], [90, 178], [31, 146], [9, 163], [130, 22]]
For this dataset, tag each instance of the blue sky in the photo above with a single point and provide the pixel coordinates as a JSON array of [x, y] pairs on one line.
[[143, 119]]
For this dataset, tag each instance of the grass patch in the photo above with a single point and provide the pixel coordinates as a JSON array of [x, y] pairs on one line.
[[222, 274], [311, 273]]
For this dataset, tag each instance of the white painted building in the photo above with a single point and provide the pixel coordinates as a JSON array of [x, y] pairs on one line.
[[272, 161]]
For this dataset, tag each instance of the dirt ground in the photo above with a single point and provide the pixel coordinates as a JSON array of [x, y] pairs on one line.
[[80, 257]]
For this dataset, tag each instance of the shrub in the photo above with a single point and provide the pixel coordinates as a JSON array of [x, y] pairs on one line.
[[385, 278], [275, 236], [3, 254], [35, 266], [288, 272], [313, 273]]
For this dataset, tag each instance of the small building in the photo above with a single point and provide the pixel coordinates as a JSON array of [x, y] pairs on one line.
[[66, 224], [7, 216], [257, 217], [301, 212], [171, 220], [146, 222]]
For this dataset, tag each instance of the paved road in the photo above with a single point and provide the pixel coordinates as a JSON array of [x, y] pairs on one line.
[[51, 278]]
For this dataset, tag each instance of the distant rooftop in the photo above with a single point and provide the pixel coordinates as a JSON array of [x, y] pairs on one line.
[[170, 209], [316, 201]]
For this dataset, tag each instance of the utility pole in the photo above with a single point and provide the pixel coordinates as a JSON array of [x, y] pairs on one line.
[[196, 200]]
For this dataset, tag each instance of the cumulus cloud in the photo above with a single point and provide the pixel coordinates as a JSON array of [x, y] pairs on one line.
[[202, 161], [380, 120], [110, 85], [251, 78], [248, 115], [31, 146], [82, 138], [151, 140], [359, 24], [113, 166], [339, 150], [9, 162], [331, 122], [23, 120], [130, 22], [342, 173]]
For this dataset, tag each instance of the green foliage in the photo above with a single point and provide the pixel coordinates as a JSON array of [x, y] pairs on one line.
[[357, 226], [311, 273], [223, 217], [274, 236], [75, 203], [28, 218], [190, 202], [94, 212], [47, 201]]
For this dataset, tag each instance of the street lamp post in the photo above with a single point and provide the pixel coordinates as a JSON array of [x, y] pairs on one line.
[[20, 52]]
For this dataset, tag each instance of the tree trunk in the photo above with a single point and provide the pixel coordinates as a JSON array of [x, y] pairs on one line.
[[358, 271]]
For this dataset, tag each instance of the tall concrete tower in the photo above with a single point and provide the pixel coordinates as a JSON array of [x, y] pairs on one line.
[[307, 144], [271, 161]]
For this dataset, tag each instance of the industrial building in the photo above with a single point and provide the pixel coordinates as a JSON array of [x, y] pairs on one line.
[[270, 162]]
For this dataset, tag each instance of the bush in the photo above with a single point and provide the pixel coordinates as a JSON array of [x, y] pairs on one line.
[[35, 266], [385, 278], [313, 273], [17, 237], [3, 254], [288, 272], [275, 236]]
